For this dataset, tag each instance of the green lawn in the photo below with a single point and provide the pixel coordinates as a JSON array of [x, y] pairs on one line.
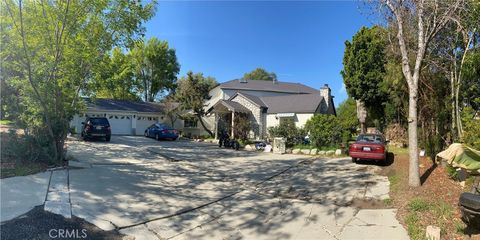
[[6, 122], [397, 150], [22, 169], [439, 210], [308, 146]]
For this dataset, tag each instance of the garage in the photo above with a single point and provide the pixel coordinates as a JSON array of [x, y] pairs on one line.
[[143, 122], [125, 117], [120, 124]]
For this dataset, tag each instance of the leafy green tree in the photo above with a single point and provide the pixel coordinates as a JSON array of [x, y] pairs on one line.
[[156, 67], [324, 130], [171, 109], [364, 68], [470, 88], [50, 51], [471, 124], [191, 93], [396, 88], [260, 74], [116, 79], [421, 21], [347, 118]]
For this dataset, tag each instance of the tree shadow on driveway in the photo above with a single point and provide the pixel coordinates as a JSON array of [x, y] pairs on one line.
[[236, 189]]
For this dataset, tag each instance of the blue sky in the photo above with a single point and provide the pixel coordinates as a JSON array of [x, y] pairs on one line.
[[299, 41]]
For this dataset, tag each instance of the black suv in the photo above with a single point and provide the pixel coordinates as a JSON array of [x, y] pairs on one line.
[[96, 127]]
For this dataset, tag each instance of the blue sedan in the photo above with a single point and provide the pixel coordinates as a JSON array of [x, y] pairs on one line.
[[161, 131]]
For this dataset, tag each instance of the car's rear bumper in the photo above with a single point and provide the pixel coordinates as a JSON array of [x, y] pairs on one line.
[[97, 134], [172, 136], [367, 155]]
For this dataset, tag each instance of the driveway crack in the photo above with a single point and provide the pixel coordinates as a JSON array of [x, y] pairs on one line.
[[350, 220], [48, 187], [153, 231]]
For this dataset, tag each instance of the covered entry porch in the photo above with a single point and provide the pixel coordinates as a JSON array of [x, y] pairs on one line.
[[230, 117]]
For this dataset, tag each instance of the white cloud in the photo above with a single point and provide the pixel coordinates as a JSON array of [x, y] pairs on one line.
[[343, 89]]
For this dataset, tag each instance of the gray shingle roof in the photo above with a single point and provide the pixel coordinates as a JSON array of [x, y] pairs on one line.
[[101, 104], [262, 85], [257, 100], [295, 103]]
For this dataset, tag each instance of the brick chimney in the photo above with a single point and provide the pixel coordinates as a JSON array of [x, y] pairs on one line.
[[325, 92]]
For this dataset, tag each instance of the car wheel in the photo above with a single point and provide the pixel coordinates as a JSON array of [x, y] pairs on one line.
[[354, 160], [107, 139], [157, 137], [145, 134]]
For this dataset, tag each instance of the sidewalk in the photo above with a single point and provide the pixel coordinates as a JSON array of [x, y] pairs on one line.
[[21, 194]]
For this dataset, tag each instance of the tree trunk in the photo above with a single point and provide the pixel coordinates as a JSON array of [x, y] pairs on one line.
[[362, 116], [203, 125], [454, 117], [457, 112], [414, 174]]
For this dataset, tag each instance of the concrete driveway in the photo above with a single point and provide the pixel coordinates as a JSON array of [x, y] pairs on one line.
[[186, 190]]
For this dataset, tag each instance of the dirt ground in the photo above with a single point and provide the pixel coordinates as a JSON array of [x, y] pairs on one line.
[[437, 189]]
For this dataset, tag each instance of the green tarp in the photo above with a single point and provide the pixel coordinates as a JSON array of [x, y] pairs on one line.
[[459, 155]]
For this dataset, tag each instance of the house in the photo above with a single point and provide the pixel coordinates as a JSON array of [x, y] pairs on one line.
[[266, 103], [125, 117]]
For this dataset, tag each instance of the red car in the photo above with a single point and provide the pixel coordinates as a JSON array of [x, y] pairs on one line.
[[369, 147]]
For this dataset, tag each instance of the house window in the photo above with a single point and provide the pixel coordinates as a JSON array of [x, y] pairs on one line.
[[189, 123]]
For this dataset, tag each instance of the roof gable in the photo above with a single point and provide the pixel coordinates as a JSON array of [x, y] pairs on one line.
[[253, 99], [231, 106]]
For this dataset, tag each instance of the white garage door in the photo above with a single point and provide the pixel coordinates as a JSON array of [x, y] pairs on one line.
[[120, 124], [143, 122]]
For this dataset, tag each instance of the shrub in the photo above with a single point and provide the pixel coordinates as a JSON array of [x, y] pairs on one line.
[[289, 131], [26, 148], [347, 118], [471, 128], [324, 130]]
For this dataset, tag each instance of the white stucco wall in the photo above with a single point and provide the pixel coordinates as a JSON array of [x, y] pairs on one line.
[[300, 119]]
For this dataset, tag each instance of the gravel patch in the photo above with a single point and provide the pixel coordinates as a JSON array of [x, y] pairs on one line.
[[39, 224]]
